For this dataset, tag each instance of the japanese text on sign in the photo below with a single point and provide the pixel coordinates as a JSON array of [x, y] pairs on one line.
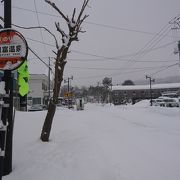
[[10, 50]]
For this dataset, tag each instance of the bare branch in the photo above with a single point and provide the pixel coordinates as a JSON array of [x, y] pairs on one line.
[[60, 30], [36, 27], [82, 20], [54, 52], [82, 9], [74, 12], [82, 31], [57, 9]]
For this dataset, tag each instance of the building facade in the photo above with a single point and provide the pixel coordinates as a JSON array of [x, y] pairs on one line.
[[132, 93], [39, 89]]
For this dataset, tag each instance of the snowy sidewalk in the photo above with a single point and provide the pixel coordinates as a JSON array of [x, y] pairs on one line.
[[99, 143]]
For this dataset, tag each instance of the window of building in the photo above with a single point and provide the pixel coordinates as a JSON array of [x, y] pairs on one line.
[[116, 101], [142, 92], [36, 100], [43, 86], [116, 93], [29, 98]]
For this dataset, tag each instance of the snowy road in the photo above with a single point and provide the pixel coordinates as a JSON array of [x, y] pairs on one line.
[[99, 143]]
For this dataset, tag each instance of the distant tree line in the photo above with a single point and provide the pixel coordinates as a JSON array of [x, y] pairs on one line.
[[100, 92]]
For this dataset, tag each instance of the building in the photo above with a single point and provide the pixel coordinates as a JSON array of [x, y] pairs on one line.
[[132, 93], [39, 89]]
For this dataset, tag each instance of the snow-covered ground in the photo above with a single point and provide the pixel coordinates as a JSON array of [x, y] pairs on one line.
[[100, 143]]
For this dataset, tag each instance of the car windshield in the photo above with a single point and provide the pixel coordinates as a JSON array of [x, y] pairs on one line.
[[169, 100], [159, 100], [37, 106]]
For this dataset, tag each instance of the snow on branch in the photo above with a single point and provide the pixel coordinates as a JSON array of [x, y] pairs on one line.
[[73, 25], [60, 30]]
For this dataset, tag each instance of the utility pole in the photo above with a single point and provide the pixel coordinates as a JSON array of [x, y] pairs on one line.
[[150, 81], [8, 78], [179, 51], [176, 27], [68, 81], [98, 91], [49, 82], [111, 92]]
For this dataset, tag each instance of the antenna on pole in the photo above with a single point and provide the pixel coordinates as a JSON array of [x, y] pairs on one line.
[[175, 34]]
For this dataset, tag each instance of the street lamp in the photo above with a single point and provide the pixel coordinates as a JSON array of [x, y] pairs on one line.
[[68, 81], [111, 92], [150, 81]]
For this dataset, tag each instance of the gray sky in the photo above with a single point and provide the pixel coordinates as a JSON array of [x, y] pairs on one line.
[[116, 33]]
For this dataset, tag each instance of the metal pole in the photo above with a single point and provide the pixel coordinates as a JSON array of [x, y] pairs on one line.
[[7, 167], [179, 51], [68, 93], [98, 92], [111, 92], [150, 91], [49, 86], [150, 81]]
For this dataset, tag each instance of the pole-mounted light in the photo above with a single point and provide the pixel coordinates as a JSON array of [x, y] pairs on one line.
[[150, 81]]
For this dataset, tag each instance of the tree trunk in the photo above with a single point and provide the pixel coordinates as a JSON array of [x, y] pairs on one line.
[[48, 122], [59, 69]]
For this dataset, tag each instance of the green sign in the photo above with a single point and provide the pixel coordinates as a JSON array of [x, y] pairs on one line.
[[23, 78]]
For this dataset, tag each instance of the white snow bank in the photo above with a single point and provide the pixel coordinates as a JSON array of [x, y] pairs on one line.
[[99, 143]]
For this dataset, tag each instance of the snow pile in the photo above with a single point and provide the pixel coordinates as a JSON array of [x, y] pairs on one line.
[[143, 103], [99, 143]]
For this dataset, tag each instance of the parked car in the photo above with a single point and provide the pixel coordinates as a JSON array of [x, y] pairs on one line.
[[37, 107], [170, 102], [158, 102]]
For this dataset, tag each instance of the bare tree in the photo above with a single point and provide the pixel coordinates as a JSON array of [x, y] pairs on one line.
[[74, 28]]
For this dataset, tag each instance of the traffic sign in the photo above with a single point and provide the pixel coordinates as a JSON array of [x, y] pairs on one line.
[[13, 49]]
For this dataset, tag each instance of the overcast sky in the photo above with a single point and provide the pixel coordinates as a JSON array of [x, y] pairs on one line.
[[121, 39]]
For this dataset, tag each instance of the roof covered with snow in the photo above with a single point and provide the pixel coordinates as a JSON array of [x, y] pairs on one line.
[[153, 86]]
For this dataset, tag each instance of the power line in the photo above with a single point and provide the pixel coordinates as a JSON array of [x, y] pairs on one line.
[[141, 51], [120, 73], [40, 42], [115, 69], [117, 59], [133, 54], [87, 60], [39, 58], [155, 42], [152, 43], [39, 25], [111, 75], [88, 22], [164, 69], [103, 25], [104, 58]]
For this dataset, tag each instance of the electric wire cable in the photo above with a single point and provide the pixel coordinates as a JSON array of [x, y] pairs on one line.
[[33, 52]]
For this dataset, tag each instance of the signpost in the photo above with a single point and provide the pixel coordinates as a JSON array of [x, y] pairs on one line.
[[13, 53]]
